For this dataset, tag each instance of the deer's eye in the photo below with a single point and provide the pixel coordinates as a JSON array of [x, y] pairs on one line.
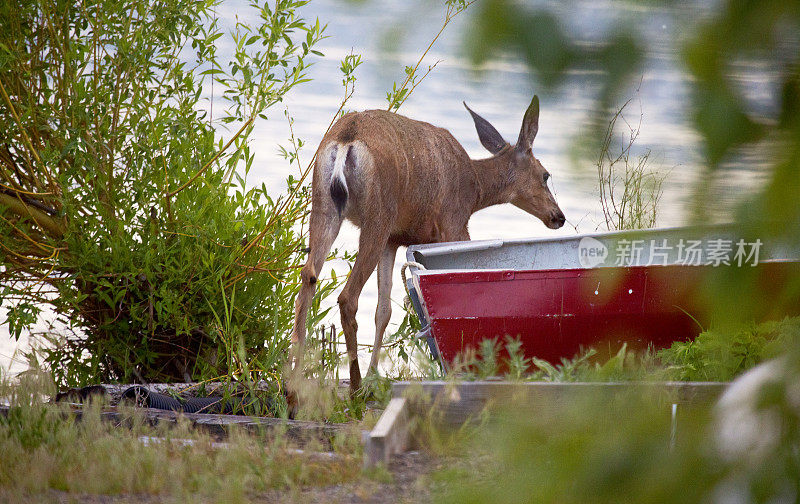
[[545, 177]]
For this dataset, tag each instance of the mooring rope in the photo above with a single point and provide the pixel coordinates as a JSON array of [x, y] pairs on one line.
[[417, 265]]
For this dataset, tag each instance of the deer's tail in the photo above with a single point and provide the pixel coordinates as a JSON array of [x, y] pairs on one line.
[[344, 162]]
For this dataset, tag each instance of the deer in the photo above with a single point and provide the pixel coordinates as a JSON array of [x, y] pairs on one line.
[[404, 182]]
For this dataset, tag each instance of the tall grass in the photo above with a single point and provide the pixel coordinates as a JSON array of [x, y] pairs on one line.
[[629, 189], [44, 449]]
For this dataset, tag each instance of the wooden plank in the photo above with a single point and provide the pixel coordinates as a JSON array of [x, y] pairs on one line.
[[219, 426], [459, 402], [390, 435]]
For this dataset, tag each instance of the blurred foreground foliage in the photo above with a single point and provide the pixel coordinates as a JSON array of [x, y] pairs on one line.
[[124, 208], [745, 449], [624, 449], [640, 448]]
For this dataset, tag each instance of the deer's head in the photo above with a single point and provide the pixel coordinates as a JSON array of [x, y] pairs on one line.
[[526, 178]]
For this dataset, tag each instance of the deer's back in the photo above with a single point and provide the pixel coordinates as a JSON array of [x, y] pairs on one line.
[[414, 171]]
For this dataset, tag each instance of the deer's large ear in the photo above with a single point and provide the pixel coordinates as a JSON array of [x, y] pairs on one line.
[[530, 125], [489, 136]]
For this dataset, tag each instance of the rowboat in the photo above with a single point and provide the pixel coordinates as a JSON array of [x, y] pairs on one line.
[[557, 295]]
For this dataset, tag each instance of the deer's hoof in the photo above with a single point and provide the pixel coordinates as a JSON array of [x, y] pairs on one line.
[[292, 403]]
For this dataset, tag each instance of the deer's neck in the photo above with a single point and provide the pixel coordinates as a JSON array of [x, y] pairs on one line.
[[493, 181]]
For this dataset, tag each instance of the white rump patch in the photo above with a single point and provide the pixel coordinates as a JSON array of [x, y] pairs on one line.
[[338, 165]]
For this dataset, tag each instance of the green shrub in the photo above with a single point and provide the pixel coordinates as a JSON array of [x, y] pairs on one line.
[[122, 209], [722, 355]]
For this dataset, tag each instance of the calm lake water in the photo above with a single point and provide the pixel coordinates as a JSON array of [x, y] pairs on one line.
[[500, 91]]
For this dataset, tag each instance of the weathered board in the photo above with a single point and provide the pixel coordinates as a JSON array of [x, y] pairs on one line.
[[219, 426], [390, 435], [457, 403]]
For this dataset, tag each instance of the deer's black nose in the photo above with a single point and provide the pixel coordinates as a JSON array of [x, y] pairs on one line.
[[558, 219]]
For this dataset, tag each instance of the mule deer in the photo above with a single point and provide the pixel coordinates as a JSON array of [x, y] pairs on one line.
[[405, 182]]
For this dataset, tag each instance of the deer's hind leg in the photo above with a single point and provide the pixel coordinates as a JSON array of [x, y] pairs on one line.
[[384, 310], [371, 245], [323, 228]]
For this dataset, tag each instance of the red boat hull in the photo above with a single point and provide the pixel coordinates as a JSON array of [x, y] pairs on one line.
[[556, 312]]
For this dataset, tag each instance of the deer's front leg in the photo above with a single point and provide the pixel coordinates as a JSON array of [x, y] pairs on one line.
[[370, 248], [384, 310]]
